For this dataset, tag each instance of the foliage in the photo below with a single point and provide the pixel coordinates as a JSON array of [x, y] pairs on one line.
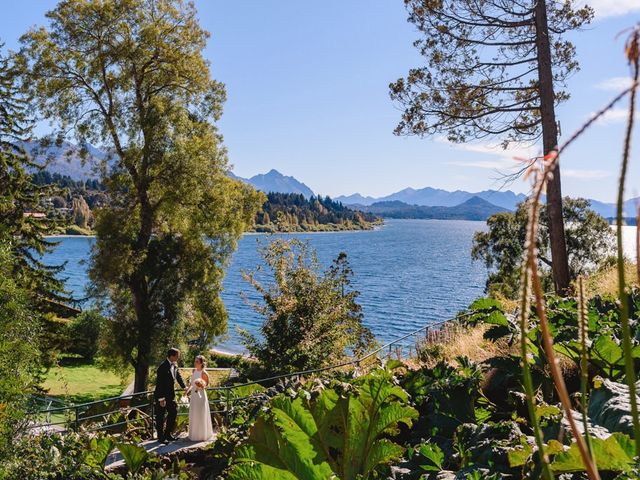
[[312, 318], [480, 77], [589, 242], [445, 395], [130, 77], [74, 456], [613, 454], [83, 333], [333, 431], [285, 212], [19, 354], [19, 197]]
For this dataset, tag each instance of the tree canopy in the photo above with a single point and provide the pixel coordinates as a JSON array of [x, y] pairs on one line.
[[590, 241], [19, 196], [130, 77]]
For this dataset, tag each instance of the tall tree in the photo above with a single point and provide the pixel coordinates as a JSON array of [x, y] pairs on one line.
[[20, 227], [129, 75], [496, 68]]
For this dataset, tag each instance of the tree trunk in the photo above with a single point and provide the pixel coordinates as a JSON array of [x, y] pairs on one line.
[[559, 258], [141, 380], [140, 293]]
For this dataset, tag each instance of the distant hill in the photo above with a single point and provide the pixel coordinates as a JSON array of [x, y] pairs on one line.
[[474, 208], [274, 181], [293, 212], [610, 210], [66, 159], [433, 197]]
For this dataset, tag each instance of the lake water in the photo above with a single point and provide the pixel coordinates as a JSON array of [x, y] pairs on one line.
[[409, 273]]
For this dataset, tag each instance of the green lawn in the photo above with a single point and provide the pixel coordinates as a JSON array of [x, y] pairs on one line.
[[79, 383], [76, 382]]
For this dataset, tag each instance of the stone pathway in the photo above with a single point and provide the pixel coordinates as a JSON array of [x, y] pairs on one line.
[[115, 460]]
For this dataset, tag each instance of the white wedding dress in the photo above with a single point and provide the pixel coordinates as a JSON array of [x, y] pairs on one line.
[[200, 428]]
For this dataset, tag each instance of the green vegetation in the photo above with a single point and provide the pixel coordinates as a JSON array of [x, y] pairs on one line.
[[312, 318], [281, 212], [130, 76], [19, 353], [288, 212], [590, 243]]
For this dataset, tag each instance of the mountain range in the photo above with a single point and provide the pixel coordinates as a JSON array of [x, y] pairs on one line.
[[475, 208], [432, 197], [66, 159]]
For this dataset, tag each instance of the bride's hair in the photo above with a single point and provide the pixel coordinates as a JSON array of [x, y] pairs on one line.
[[201, 360]]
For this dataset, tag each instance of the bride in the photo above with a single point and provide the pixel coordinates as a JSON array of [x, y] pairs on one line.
[[200, 428]]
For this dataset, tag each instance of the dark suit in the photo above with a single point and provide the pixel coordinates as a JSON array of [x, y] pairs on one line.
[[165, 388]]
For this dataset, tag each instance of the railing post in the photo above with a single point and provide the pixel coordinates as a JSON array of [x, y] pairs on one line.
[[77, 420], [227, 413], [153, 414]]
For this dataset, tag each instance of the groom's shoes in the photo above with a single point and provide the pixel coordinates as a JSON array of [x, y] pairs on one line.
[[171, 438]]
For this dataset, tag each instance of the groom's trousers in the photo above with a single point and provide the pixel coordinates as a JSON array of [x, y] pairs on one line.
[[170, 410]]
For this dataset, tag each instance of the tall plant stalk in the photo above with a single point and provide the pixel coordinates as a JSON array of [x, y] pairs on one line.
[[633, 55], [638, 245], [547, 474], [583, 335], [549, 164]]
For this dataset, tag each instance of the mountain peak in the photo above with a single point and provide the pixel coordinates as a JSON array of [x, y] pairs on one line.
[[274, 181]]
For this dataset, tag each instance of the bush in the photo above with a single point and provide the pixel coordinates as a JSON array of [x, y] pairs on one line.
[[83, 334], [312, 318]]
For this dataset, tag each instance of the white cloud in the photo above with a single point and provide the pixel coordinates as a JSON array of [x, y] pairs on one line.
[[611, 8], [585, 174], [503, 159], [615, 115], [614, 84], [488, 164]]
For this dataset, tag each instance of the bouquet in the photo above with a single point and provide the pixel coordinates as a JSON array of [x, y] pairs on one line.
[[200, 385]]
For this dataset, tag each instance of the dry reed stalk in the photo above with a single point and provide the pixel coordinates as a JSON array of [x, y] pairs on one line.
[[547, 474], [638, 244], [632, 50], [583, 335], [540, 180]]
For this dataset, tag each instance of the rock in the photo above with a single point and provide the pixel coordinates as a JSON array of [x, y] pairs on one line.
[[609, 407]]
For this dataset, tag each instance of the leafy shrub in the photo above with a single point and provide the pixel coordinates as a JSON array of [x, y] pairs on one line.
[[83, 334], [337, 430], [312, 318]]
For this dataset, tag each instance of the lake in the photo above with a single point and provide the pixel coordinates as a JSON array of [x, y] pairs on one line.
[[409, 273]]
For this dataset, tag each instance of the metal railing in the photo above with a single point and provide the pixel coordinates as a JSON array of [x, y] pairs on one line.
[[135, 408]]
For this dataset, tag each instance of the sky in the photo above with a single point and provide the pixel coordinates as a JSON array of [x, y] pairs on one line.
[[307, 85]]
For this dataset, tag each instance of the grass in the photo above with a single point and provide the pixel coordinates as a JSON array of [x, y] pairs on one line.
[[75, 382], [464, 341], [605, 280]]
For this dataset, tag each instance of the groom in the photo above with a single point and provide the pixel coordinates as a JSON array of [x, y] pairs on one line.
[[165, 395]]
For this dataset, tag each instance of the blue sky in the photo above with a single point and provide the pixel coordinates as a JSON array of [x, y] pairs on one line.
[[307, 86]]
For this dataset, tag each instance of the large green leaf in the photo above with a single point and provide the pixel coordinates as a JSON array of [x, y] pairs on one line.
[[433, 457], [134, 456], [99, 450], [613, 454], [340, 433]]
